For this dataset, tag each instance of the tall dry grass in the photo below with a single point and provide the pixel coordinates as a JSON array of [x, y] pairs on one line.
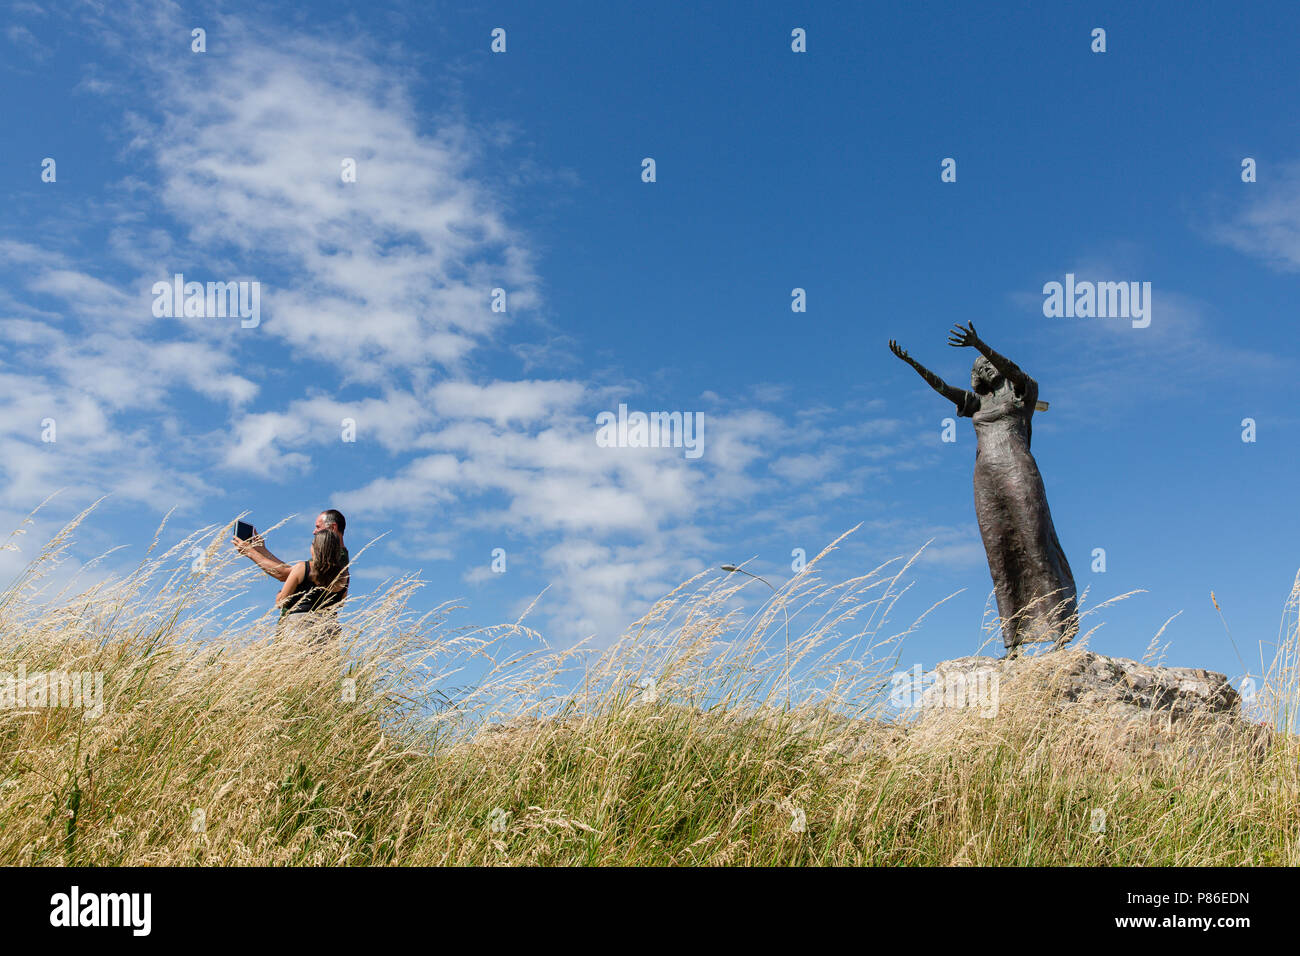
[[412, 741]]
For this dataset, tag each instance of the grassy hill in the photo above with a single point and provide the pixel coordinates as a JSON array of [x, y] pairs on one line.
[[219, 744]]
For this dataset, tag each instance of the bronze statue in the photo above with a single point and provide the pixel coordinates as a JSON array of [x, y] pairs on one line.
[[1032, 579]]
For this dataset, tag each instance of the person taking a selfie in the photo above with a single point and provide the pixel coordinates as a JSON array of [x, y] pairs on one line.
[[315, 587]]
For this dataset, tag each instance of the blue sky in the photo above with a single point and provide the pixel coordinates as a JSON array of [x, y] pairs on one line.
[[775, 170]]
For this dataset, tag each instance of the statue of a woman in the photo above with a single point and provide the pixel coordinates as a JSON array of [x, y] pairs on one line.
[[1032, 579]]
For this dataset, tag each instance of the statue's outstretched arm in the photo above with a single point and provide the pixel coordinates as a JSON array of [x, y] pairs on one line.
[[960, 337], [955, 395]]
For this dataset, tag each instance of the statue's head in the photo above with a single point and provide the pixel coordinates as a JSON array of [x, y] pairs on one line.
[[984, 378]]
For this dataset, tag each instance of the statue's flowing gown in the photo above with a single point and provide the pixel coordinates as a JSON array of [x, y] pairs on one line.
[[1031, 577]]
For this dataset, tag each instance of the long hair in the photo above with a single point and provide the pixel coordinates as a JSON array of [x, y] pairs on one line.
[[328, 558]]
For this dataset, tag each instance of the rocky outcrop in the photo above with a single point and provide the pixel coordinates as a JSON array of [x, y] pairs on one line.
[[1123, 687], [1111, 702]]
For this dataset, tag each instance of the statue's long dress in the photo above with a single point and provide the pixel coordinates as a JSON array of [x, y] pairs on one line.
[[1031, 577]]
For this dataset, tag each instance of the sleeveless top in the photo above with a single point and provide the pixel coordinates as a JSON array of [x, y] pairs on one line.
[[313, 596]]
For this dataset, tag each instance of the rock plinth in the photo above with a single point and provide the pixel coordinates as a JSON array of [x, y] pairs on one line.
[[1124, 687]]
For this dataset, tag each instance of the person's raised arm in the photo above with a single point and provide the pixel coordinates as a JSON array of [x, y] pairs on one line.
[[955, 395], [961, 337], [256, 551]]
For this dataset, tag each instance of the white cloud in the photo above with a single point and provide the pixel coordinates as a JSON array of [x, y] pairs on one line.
[[393, 271], [1267, 222], [23, 38], [506, 402]]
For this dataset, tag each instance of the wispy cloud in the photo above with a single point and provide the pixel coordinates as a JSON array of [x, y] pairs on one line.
[[1266, 222], [26, 41]]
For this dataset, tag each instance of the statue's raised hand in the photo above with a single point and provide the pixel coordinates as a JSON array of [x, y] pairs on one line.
[[900, 351], [962, 337]]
